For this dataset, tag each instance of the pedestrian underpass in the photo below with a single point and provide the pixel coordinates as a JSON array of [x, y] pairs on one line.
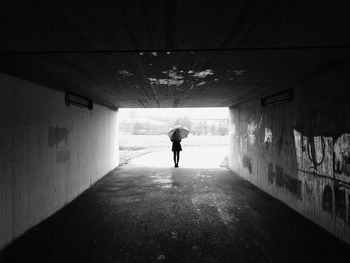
[[281, 68]]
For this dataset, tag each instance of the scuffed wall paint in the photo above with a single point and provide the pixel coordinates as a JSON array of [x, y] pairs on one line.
[[56, 135], [49, 153], [299, 152]]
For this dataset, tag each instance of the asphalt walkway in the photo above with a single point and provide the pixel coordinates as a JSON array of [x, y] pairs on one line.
[[159, 214]]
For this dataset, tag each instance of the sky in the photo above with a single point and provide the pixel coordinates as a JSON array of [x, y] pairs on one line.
[[193, 113]]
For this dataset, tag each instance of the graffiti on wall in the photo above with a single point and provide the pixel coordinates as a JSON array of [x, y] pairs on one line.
[[324, 162], [268, 136], [251, 129], [248, 136]]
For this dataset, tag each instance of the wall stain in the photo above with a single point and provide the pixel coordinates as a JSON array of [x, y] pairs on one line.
[[282, 179], [327, 200], [349, 210], [247, 163], [270, 174], [62, 156], [56, 135], [280, 141], [340, 202], [309, 188]]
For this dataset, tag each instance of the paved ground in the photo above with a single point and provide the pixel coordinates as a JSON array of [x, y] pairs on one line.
[[190, 157], [140, 214]]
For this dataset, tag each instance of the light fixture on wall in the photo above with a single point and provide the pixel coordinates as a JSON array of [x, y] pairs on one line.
[[72, 98], [277, 98]]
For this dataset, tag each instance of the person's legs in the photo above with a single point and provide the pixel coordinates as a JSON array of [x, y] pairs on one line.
[[174, 157], [178, 157]]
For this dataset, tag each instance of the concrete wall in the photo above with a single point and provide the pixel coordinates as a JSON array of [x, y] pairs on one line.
[[299, 152], [49, 153]]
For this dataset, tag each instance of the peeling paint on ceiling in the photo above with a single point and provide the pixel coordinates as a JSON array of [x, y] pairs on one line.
[[203, 74], [239, 72], [174, 78], [170, 82], [173, 74], [125, 73], [201, 83]]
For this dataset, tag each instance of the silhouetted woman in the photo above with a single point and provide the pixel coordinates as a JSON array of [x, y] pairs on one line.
[[176, 150]]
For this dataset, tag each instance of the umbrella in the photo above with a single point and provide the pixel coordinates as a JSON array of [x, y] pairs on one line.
[[178, 133]]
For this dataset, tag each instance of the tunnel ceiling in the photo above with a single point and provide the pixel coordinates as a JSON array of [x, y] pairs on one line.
[[172, 53]]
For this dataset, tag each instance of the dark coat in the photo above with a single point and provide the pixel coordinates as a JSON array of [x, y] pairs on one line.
[[176, 146]]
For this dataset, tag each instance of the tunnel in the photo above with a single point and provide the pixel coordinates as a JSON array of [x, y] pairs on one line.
[[282, 68]]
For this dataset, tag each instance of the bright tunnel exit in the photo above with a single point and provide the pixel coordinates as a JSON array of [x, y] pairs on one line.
[[144, 139]]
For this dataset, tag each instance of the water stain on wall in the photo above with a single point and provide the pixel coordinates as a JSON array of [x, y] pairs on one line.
[[62, 156], [282, 179], [247, 163], [310, 186], [243, 142], [327, 199], [340, 202], [56, 135], [349, 210]]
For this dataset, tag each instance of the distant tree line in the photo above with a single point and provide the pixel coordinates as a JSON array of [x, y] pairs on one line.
[[162, 125]]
